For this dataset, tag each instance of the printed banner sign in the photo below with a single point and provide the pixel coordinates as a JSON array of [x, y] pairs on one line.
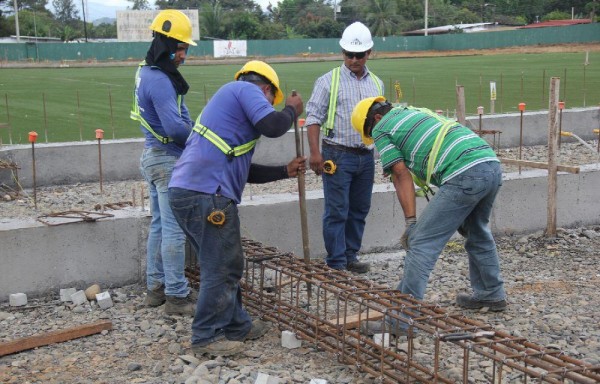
[[230, 48]]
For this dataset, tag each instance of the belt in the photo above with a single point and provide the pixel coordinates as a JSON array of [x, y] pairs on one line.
[[343, 148]]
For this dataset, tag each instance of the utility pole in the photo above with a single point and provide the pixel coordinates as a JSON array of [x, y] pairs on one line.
[[334, 10], [426, 16], [17, 21], [84, 23]]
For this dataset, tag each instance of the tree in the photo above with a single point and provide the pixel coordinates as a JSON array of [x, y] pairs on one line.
[[211, 17], [140, 5], [65, 12], [104, 31], [382, 21]]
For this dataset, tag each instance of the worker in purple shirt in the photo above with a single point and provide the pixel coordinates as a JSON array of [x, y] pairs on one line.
[[206, 188], [165, 122]]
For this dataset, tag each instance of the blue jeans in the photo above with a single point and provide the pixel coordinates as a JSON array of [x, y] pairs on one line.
[[463, 203], [219, 311], [347, 203], [165, 251]]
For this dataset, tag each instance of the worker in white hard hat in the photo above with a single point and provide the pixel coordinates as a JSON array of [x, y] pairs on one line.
[[207, 186], [337, 153], [165, 122]]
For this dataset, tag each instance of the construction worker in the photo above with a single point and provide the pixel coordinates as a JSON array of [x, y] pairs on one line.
[[206, 187], [165, 122], [347, 165], [436, 150]]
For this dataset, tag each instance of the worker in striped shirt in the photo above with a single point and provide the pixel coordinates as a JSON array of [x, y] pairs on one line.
[[418, 146]]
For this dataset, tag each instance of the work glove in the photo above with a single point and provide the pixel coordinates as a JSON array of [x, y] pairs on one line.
[[409, 223]]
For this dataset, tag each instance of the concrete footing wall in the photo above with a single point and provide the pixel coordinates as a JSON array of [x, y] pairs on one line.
[[35, 258]]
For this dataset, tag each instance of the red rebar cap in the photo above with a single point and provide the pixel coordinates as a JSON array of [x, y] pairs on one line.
[[561, 105], [33, 136], [99, 134], [521, 106]]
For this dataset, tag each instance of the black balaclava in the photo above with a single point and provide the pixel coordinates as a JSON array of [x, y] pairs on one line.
[[160, 54]]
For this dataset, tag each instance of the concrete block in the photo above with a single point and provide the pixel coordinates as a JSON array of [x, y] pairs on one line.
[[318, 381], [289, 340], [17, 299], [65, 294], [104, 300], [382, 339], [263, 378], [79, 298]]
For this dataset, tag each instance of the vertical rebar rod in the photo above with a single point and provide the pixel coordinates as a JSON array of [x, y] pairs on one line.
[[8, 119], [112, 120], [100, 164], [32, 138], [543, 85], [501, 92], [584, 88], [34, 175], [45, 117], [521, 109], [79, 118]]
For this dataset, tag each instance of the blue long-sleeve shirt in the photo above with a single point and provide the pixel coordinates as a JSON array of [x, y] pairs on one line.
[[158, 104]]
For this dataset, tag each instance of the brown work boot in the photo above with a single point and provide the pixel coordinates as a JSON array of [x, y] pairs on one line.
[[358, 267], [222, 347], [469, 302], [184, 306], [258, 330], [155, 297]]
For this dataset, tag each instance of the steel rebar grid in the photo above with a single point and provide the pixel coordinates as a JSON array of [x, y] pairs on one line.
[[275, 287]]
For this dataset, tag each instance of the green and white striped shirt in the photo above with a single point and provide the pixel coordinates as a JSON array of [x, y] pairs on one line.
[[408, 134]]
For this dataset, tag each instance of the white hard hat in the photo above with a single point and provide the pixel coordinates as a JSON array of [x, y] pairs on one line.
[[356, 38]]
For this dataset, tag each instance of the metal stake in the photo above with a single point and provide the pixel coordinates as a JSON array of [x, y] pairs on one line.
[[521, 108], [32, 138], [99, 136]]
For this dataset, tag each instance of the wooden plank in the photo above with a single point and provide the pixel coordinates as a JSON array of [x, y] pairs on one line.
[[553, 137], [538, 165], [460, 105], [30, 342], [352, 321]]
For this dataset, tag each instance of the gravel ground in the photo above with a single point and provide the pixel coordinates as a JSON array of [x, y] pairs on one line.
[[552, 285], [553, 301]]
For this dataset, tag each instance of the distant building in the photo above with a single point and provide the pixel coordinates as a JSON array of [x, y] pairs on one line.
[[134, 25], [30, 39], [557, 23], [466, 28]]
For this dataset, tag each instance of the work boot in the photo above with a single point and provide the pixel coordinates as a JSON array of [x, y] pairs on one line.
[[258, 330], [185, 306], [371, 327], [469, 302], [358, 267], [222, 347], [155, 297]]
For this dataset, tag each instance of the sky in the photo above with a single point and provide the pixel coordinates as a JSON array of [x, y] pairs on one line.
[[108, 8]]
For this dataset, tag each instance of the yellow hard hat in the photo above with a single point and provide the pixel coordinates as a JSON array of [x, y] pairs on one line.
[[174, 24], [266, 71], [359, 117]]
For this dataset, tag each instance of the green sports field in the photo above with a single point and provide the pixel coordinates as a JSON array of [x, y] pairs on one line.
[[69, 104]]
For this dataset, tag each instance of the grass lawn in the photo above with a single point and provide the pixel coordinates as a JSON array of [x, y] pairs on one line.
[[69, 104]]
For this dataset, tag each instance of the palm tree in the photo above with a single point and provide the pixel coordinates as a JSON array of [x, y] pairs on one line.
[[382, 21]]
